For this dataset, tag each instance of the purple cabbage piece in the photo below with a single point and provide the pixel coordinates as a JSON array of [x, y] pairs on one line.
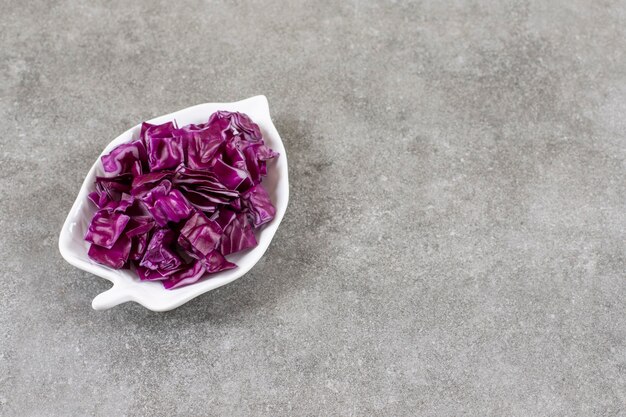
[[125, 159], [214, 262], [139, 244], [200, 201], [142, 184], [99, 199], [165, 149], [225, 217], [264, 153], [185, 277], [174, 207], [200, 235], [257, 201], [139, 225], [162, 130], [202, 189], [203, 142], [240, 124], [160, 255], [138, 230], [249, 156], [146, 274], [256, 157], [116, 256], [110, 189], [233, 154], [167, 204], [238, 235], [126, 200], [105, 228], [233, 178], [236, 204]]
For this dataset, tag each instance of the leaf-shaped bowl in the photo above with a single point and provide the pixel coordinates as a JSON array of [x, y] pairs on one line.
[[152, 295]]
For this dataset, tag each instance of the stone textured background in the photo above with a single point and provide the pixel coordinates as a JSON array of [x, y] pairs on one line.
[[455, 240]]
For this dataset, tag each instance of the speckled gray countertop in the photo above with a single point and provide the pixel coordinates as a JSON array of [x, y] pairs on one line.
[[455, 239]]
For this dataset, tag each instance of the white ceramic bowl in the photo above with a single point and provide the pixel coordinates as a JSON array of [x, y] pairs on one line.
[[152, 295]]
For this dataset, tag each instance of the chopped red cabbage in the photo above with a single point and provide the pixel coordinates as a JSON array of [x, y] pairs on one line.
[[203, 142], [165, 148], [138, 230], [125, 159], [167, 204], [174, 202], [105, 228], [233, 178], [200, 235], [161, 255], [257, 201], [116, 256], [238, 235]]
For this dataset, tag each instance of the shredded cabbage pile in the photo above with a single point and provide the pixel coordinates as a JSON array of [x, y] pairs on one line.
[[173, 203]]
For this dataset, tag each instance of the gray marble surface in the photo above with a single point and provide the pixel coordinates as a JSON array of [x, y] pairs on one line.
[[455, 240]]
